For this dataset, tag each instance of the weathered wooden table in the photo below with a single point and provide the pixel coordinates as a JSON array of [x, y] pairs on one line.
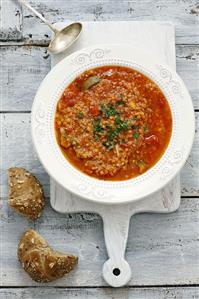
[[164, 249]]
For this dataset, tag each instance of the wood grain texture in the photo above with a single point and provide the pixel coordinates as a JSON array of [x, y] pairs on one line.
[[153, 240], [11, 20], [187, 60], [17, 150], [22, 72], [184, 14], [101, 293], [23, 69]]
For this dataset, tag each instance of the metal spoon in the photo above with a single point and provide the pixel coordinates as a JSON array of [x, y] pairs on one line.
[[63, 38]]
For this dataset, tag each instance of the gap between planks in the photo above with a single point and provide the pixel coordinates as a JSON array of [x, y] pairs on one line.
[[103, 287], [85, 293], [48, 198], [46, 43]]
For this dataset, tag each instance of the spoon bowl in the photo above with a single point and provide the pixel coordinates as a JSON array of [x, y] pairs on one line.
[[64, 38]]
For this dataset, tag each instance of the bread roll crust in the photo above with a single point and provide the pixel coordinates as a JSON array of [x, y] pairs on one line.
[[42, 263], [25, 193]]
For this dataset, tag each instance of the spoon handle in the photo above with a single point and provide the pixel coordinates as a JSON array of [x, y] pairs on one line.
[[38, 15]]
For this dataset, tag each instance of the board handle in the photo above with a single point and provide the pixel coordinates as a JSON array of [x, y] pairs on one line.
[[116, 270]]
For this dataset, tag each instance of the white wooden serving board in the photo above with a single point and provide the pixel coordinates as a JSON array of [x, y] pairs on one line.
[[159, 40]]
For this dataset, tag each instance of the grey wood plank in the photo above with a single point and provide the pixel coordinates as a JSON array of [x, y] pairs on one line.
[[17, 150], [187, 61], [99, 293], [162, 249], [184, 14], [22, 72], [11, 20], [23, 69]]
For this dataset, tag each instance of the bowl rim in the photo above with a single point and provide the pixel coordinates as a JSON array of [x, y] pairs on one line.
[[74, 58]]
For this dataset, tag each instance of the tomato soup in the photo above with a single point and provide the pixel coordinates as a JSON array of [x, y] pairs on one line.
[[113, 123]]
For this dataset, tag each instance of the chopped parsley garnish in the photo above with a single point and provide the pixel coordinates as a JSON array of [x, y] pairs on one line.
[[121, 124], [120, 103], [108, 110], [97, 125], [136, 135], [113, 132], [110, 132], [103, 108], [97, 128], [109, 144], [135, 127], [80, 115]]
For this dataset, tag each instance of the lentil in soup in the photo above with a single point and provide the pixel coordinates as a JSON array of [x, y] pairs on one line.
[[113, 123]]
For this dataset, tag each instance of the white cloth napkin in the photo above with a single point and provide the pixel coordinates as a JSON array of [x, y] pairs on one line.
[[156, 38]]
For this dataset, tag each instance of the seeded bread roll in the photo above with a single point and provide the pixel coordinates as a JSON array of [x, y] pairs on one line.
[[25, 193], [42, 263]]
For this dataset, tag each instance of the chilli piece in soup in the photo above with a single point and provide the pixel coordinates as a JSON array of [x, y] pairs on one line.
[[113, 123]]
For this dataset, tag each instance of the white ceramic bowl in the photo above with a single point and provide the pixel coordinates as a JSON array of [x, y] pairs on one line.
[[72, 179]]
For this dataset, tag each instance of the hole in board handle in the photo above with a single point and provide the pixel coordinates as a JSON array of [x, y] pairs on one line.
[[116, 271]]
